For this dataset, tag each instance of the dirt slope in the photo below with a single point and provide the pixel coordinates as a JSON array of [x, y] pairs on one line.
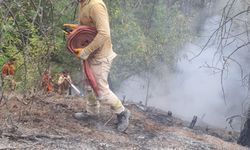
[[41, 122]]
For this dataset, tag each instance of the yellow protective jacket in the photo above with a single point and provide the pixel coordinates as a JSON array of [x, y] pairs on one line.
[[94, 13]]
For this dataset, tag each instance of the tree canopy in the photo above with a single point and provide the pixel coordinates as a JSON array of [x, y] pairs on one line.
[[144, 34]]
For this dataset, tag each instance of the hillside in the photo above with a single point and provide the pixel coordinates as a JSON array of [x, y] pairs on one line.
[[45, 122]]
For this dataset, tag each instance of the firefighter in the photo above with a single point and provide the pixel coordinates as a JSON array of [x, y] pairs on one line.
[[63, 82], [100, 55], [47, 82], [8, 81]]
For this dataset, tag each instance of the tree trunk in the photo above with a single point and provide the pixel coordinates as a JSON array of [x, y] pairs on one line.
[[244, 138]]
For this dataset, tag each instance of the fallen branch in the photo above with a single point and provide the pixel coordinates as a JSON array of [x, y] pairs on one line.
[[33, 138]]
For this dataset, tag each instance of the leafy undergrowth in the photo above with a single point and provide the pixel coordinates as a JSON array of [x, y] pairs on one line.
[[46, 122]]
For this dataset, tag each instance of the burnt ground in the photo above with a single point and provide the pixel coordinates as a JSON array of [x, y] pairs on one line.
[[46, 122]]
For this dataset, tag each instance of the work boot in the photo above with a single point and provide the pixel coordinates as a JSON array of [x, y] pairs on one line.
[[123, 120], [84, 116]]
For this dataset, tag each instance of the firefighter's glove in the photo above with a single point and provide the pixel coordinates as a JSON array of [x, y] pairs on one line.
[[68, 28], [81, 53], [72, 26], [66, 33]]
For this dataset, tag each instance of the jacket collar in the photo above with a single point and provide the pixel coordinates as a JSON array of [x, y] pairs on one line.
[[85, 3]]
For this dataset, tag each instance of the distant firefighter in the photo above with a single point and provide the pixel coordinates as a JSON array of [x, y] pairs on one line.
[[64, 83], [47, 82], [8, 81]]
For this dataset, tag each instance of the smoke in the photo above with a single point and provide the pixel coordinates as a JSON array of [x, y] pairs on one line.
[[196, 88]]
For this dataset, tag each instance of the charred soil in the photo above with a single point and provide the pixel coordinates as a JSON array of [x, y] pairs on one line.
[[46, 122]]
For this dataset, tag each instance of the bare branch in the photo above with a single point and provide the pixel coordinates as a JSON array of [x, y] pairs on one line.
[[217, 30]]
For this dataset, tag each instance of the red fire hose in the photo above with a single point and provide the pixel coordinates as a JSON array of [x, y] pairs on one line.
[[80, 38]]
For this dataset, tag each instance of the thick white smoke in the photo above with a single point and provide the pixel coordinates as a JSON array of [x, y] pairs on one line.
[[196, 89]]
